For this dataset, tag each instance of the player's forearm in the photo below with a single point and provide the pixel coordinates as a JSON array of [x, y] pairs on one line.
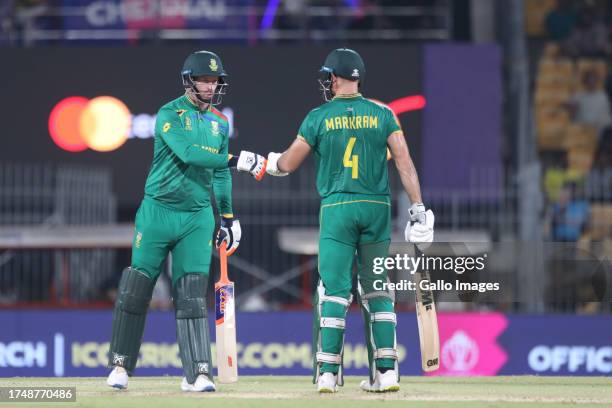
[[405, 166], [409, 179], [197, 156], [285, 164], [222, 187], [293, 157], [193, 154]]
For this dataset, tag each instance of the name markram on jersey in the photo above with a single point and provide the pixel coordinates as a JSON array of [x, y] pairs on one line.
[[351, 122]]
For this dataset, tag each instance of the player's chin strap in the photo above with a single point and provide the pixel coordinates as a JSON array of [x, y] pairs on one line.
[[380, 321], [325, 87], [325, 83], [339, 306], [218, 93]]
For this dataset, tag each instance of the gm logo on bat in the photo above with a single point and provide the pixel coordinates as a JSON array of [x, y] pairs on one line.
[[105, 123]]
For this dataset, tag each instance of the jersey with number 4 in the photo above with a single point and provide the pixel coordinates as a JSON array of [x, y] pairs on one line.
[[349, 138]]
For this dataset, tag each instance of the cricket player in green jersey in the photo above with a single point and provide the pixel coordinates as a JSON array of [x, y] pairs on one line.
[[349, 136], [190, 160]]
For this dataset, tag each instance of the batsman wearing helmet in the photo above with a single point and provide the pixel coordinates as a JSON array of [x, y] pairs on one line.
[[349, 136], [190, 160]]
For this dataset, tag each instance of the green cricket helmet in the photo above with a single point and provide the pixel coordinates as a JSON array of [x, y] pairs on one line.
[[342, 62], [204, 63]]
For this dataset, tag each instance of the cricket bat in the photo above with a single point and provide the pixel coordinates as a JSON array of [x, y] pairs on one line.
[[427, 321], [225, 323]]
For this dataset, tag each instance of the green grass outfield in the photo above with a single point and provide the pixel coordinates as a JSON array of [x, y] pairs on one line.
[[298, 392]]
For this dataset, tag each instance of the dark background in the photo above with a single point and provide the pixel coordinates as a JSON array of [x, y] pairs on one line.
[[271, 90]]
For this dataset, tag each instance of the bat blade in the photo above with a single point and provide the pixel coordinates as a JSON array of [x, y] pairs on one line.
[[427, 319], [225, 325]]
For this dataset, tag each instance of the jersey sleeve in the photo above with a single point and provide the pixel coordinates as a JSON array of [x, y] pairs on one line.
[[307, 131], [222, 185], [391, 123], [169, 128]]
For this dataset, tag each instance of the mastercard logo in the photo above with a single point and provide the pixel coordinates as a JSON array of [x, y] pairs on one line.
[[105, 123], [102, 124]]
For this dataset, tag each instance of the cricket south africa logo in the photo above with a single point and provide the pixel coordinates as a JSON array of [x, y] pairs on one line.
[[215, 128], [213, 65], [138, 240]]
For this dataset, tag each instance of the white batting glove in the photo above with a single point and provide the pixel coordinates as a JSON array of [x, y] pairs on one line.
[[253, 163], [230, 232], [420, 227], [272, 168]]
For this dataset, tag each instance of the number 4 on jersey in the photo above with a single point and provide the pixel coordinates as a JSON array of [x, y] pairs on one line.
[[351, 161]]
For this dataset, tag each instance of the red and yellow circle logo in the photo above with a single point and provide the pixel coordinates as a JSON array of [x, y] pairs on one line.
[[101, 124]]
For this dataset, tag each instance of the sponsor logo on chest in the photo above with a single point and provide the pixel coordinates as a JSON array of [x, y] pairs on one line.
[[214, 126]]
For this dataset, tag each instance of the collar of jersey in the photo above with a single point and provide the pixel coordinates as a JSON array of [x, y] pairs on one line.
[[192, 105], [348, 96]]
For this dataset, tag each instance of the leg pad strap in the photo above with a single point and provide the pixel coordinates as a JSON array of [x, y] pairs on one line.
[[383, 317], [329, 358], [336, 299], [333, 323], [385, 353]]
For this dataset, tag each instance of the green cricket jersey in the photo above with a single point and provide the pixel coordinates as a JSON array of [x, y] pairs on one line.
[[190, 156], [349, 138]]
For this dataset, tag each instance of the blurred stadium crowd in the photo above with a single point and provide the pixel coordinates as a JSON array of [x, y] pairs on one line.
[[34, 21], [571, 48]]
